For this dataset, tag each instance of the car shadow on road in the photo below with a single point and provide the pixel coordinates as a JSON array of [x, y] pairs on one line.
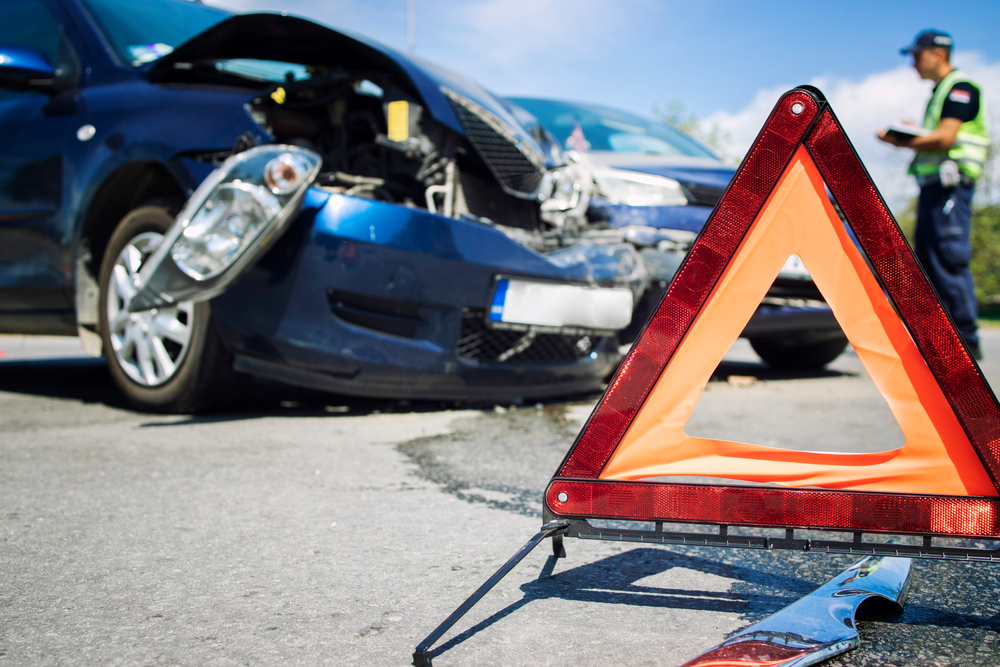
[[762, 371], [87, 380], [82, 379]]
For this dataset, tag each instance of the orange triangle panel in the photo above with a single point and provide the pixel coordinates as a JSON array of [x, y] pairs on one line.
[[943, 481]]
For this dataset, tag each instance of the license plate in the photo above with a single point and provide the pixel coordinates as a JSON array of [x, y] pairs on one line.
[[532, 304]]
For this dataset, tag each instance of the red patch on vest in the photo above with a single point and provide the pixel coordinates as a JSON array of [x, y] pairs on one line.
[[961, 96]]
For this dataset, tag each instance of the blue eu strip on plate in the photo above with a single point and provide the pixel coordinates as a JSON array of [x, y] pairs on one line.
[[499, 296]]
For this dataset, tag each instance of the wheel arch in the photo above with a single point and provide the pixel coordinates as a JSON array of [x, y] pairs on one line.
[[124, 189]]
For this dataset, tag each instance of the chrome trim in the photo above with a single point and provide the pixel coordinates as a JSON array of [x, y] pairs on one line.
[[820, 625]]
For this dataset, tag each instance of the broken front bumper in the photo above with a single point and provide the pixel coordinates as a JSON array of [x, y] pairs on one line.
[[374, 299]]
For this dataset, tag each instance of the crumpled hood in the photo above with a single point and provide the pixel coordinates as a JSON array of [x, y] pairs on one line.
[[295, 40]]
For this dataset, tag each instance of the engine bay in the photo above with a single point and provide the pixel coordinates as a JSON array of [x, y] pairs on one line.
[[378, 142]]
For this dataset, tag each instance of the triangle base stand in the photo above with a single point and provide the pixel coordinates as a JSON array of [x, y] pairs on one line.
[[555, 530], [558, 529]]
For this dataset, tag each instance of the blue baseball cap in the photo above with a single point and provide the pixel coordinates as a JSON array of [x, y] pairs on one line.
[[928, 39]]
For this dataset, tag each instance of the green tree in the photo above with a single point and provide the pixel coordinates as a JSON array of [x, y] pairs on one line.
[[985, 242], [985, 263], [908, 221], [676, 113]]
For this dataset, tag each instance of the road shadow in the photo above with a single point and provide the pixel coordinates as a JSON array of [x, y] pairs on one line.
[[87, 380], [762, 371], [758, 591], [614, 580], [82, 379]]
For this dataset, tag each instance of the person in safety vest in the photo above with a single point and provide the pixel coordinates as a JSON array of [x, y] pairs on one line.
[[951, 152]]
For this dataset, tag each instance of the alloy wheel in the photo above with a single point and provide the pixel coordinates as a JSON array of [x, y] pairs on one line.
[[148, 345]]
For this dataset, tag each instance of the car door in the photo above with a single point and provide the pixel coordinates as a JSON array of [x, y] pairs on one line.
[[35, 263]]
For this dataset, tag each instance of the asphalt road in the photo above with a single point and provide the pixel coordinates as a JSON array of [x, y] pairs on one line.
[[313, 529]]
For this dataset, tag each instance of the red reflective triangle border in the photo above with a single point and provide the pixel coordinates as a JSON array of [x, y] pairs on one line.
[[801, 117]]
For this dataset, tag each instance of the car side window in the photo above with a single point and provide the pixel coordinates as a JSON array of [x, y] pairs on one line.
[[33, 26]]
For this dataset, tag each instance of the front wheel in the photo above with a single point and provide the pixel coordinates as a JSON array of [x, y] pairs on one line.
[[163, 359], [793, 354]]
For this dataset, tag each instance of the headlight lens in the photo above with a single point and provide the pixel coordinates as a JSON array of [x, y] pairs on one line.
[[237, 204], [635, 189], [231, 217]]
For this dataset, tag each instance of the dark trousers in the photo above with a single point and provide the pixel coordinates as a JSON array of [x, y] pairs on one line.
[[944, 219]]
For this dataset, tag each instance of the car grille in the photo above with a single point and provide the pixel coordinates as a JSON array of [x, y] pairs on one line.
[[479, 343], [486, 199], [702, 195], [511, 162]]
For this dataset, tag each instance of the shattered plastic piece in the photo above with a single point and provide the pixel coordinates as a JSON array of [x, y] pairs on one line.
[[820, 625]]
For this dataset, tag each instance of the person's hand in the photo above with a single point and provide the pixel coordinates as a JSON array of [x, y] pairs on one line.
[[894, 139], [884, 135]]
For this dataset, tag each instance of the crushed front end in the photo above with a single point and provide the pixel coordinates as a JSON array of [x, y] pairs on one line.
[[367, 298], [421, 246]]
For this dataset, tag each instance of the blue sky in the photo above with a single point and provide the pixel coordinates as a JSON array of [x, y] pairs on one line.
[[726, 61], [712, 54]]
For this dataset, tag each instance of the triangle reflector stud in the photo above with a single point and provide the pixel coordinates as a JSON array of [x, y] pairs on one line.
[[942, 482]]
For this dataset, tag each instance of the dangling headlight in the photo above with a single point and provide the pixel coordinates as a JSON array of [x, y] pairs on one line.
[[238, 211], [225, 225], [635, 189], [565, 191]]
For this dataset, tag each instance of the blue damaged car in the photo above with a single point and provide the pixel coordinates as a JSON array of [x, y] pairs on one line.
[[658, 186], [202, 197]]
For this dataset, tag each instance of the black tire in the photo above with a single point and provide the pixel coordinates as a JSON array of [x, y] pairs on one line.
[[793, 354], [202, 377]]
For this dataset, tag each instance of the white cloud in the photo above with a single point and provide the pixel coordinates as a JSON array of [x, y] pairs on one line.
[[863, 107], [530, 47], [497, 30]]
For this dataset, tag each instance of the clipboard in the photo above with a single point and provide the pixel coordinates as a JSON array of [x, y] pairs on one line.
[[905, 132]]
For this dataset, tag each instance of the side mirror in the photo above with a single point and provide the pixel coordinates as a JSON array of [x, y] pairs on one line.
[[23, 68]]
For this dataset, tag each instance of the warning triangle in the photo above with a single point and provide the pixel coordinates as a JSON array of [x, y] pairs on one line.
[[942, 481]]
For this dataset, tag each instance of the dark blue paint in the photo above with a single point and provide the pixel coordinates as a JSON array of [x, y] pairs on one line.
[[279, 312], [690, 218]]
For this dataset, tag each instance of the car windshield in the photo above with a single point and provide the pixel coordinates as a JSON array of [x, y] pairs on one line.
[[141, 32], [585, 127]]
